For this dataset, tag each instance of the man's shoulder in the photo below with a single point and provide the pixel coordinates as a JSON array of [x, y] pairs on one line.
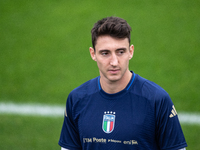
[[87, 88], [149, 89]]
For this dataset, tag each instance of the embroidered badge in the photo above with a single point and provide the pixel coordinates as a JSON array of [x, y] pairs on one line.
[[108, 121]]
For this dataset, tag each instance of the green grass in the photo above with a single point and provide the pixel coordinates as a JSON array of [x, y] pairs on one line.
[[44, 54], [33, 133], [192, 135]]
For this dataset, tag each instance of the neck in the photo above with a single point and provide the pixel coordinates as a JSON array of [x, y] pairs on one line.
[[112, 87]]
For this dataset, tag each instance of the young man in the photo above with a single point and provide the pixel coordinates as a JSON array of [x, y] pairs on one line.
[[119, 110]]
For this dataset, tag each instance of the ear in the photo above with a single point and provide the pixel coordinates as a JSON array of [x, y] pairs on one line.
[[92, 53], [131, 51]]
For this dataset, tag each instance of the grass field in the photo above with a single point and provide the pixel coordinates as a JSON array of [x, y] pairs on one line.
[[44, 54]]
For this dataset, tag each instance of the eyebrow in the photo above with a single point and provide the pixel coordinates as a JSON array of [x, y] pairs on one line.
[[103, 50], [121, 49]]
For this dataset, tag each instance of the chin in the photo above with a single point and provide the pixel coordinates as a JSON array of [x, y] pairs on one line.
[[114, 78]]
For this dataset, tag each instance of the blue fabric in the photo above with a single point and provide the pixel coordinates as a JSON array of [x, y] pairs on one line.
[[141, 114]]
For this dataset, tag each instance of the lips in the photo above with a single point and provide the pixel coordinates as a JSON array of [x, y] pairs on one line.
[[114, 71]]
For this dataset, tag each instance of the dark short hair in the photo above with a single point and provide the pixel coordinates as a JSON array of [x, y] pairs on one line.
[[113, 26]]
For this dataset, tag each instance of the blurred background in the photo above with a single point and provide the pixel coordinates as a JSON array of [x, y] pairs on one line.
[[44, 54]]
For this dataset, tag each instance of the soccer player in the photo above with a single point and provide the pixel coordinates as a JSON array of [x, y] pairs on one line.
[[119, 110]]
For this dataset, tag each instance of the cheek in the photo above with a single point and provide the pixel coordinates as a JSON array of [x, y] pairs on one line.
[[101, 63], [126, 62]]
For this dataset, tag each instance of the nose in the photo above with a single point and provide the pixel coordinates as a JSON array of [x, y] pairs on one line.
[[114, 60]]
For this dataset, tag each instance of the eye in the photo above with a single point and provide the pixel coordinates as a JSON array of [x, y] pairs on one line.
[[120, 52], [104, 53]]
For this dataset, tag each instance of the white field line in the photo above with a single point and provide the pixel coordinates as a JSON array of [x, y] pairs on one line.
[[31, 109], [58, 111]]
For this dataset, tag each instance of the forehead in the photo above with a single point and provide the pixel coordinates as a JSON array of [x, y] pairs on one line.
[[109, 43]]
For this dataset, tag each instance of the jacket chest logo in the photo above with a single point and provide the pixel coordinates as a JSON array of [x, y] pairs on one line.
[[108, 121]]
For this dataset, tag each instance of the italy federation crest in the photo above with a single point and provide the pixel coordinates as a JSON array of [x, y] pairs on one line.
[[108, 121]]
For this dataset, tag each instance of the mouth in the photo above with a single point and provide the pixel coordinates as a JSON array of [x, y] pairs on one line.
[[113, 71]]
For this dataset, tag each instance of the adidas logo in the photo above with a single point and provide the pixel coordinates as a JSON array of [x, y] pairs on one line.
[[173, 112]]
